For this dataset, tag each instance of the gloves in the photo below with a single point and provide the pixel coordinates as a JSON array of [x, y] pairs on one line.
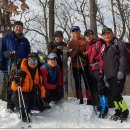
[[78, 53], [17, 80], [60, 47], [120, 75], [13, 55], [8, 54]]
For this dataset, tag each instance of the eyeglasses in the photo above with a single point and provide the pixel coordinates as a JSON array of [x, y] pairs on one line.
[[33, 60]]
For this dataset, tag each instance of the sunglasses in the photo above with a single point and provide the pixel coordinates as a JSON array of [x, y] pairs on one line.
[[75, 30], [53, 59], [33, 60]]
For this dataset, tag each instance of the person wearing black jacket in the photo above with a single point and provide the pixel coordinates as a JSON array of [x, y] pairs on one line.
[[115, 71], [56, 47]]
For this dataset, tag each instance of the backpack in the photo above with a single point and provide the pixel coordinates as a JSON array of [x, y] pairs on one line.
[[127, 46], [128, 55]]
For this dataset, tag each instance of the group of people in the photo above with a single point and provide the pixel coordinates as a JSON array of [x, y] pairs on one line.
[[91, 57]]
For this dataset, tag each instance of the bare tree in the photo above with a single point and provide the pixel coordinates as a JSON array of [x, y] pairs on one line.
[[51, 19], [93, 14], [113, 16]]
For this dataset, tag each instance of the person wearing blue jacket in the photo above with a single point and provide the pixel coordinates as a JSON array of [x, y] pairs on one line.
[[14, 47]]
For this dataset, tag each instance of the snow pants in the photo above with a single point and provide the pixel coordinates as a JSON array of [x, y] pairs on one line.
[[53, 95], [116, 88], [98, 82]]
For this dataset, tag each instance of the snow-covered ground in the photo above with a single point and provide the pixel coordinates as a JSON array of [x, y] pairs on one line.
[[68, 114]]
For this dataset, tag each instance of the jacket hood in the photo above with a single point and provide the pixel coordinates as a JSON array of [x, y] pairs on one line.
[[24, 65]]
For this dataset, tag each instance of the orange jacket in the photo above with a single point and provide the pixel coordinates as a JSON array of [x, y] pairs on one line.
[[77, 45], [28, 82]]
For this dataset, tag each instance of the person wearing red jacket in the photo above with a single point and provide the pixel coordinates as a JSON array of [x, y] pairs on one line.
[[52, 79], [94, 53]]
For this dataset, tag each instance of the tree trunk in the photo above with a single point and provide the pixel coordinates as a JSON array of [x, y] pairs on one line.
[[93, 13], [113, 15], [122, 18], [51, 19]]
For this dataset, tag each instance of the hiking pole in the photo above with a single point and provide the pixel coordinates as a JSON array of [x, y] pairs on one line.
[[87, 83], [21, 101], [79, 77]]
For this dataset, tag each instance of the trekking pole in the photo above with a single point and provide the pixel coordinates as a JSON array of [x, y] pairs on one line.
[[87, 84], [71, 78], [21, 101], [79, 77]]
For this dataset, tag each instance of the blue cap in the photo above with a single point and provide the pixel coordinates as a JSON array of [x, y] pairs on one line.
[[75, 28]]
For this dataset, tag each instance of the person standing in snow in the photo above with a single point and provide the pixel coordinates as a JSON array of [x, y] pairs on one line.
[[30, 80], [115, 71], [52, 79], [57, 47], [78, 46], [14, 45], [94, 53]]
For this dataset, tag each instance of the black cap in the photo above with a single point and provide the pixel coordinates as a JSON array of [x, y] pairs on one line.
[[104, 30], [75, 28], [88, 31], [33, 54], [18, 23], [58, 34]]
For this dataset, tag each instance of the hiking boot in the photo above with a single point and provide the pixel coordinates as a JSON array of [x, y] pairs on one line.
[[98, 108], [89, 102], [81, 101], [46, 105], [116, 116], [103, 114], [25, 118], [124, 115]]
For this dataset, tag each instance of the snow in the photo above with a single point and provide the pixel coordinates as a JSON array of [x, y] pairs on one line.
[[68, 114]]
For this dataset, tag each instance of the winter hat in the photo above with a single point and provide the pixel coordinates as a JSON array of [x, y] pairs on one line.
[[106, 30], [18, 23], [52, 56], [33, 55], [58, 34], [75, 28], [88, 31]]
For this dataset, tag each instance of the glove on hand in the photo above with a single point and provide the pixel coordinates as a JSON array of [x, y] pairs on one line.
[[8, 54], [120, 75], [13, 54], [60, 47], [78, 53], [17, 80]]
